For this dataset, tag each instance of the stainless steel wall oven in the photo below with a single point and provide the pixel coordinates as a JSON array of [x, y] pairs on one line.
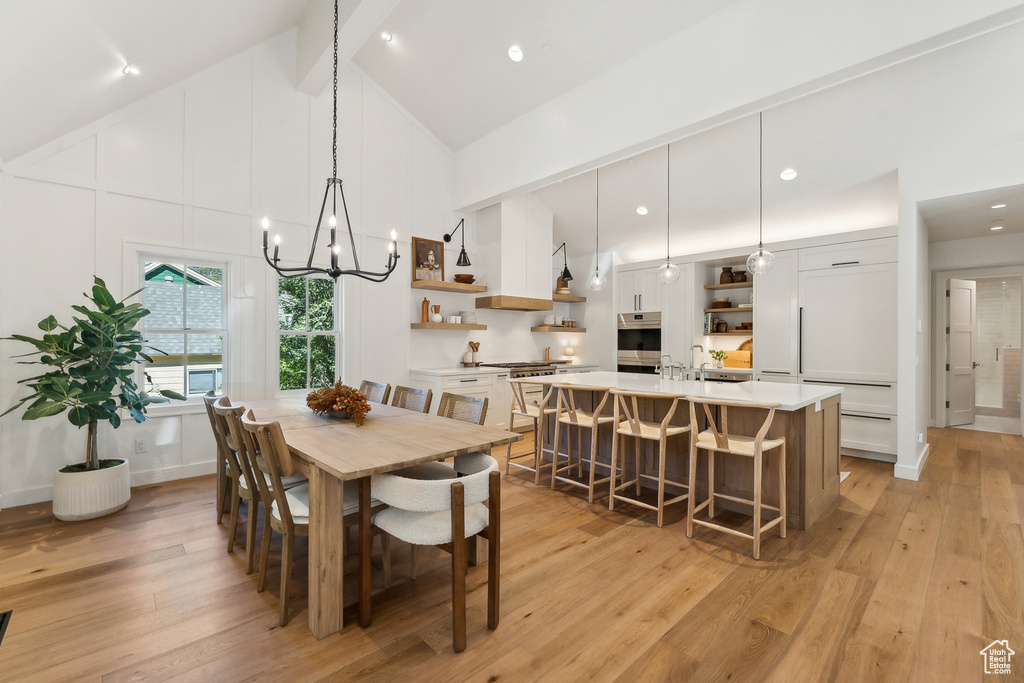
[[639, 342]]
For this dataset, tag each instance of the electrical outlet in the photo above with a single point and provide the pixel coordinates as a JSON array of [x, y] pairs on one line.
[[920, 437], [141, 446]]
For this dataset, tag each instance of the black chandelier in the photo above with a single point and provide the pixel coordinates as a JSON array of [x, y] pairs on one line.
[[334, 187]]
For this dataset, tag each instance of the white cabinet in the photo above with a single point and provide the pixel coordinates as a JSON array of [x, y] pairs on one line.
[[847, 323], [775, 318], [639, 290]]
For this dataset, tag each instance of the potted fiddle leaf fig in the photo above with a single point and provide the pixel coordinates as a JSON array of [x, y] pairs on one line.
[[90, 377]]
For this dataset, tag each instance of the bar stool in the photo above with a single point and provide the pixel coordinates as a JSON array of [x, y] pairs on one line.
[[629, 424], [536, 411], [715, 440], [571, 415]]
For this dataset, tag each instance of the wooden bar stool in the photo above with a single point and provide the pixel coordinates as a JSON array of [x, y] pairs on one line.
[[629, 424], [719, 440], [535, 411], [570, 414]]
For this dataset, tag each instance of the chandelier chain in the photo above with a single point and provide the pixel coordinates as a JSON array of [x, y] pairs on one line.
[[334, 130]]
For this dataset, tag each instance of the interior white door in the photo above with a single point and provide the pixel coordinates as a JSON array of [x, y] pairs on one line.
[[960, 347]]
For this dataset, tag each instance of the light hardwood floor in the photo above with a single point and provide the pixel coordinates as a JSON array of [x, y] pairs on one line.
[[904, 581]]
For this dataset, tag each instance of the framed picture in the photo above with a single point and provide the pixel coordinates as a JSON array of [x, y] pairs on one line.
[[427, 259]]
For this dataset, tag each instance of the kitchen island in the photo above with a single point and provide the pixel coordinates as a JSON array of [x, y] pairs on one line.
[[808, 416]]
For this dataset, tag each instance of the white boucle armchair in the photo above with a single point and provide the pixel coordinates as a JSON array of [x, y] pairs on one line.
[[445, 513]]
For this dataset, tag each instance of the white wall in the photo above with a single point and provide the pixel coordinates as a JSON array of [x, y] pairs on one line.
[[190, 171]]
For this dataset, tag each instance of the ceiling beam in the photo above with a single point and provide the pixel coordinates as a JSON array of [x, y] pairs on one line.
[[357, 21]]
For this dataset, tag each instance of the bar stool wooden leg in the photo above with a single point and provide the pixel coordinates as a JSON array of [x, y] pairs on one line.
[[711, 483], [555, 451], [538, 447], [782, 489], [616, 437], [661, 483], [691, 501], [758, 457], [636, 461], [579, 451], [593, 462]]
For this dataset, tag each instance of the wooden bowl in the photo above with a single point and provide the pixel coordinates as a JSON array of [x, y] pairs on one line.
[[465, 278]]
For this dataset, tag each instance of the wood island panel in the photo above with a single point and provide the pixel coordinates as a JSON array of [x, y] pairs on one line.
[[812, 455]]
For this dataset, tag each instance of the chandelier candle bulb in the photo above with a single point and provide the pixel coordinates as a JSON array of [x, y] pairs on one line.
[[277, 246]]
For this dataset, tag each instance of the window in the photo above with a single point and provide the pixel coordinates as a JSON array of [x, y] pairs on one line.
[[185, 329], [307, 332]]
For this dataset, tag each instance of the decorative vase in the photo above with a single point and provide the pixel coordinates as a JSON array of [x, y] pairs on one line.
[[425, 312], [90, 494], [721, 327], [719, 363], [739, 276], [726, 278], [340, 414]]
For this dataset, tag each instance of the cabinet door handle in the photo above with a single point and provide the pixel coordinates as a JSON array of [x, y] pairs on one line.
[[850, 384], [775, 372], [868, 417], [800, 340], [469, 380], [845, 263]]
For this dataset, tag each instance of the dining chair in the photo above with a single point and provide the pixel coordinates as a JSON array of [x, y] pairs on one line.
[[289, 508], [571, 414], [536, 412], [717, 439], [246, 478], [376, 392], [223, 479], [446, 513], [466, 408], [629, 424], [412, 399]]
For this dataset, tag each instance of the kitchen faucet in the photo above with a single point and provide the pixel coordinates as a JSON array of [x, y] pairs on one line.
[[695, 346], [702, 373], [666, 365]]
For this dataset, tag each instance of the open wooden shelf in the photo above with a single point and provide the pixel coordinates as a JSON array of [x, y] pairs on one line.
[[731, 285], [442, 286], [568, 298], [557, 328], [729, 334], [446, 326], [728, 310]]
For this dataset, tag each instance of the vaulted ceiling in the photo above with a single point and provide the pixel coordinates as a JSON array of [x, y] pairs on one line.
[[61, 62]]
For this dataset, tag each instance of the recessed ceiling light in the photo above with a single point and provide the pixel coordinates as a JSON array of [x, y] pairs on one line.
[[642, 210], [515, 53], [996, 227], [385, 35], [131, 69], [788, 174], [999, 206]]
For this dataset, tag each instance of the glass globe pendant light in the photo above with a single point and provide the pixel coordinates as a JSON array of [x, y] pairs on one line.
[[762, 260], [597, 279], [668, 272]]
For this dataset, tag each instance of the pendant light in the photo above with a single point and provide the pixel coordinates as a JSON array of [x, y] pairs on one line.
[[762, 260], [463, 261], [334, 187], [669, 272], [597, 280]]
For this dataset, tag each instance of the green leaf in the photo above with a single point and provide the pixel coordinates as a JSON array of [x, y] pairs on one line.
[[49, 324], [43, 410], [115, 420], [167, 393]]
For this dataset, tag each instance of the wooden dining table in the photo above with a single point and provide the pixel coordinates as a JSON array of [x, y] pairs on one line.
[[329, 451]]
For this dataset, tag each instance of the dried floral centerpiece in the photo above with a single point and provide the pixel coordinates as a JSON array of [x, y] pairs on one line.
[[339, 399]]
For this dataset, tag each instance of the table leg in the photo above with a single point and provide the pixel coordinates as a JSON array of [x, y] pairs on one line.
[[365, 545], [326, 560]]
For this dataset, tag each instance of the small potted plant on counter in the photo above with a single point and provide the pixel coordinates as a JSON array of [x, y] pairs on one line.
[[90, 376], [719, 356]]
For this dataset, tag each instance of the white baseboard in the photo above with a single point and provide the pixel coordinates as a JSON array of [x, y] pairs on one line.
[[45, 493], [913, 472]]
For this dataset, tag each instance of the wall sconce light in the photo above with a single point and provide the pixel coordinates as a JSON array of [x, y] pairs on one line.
[[566, 275], [463, 257]]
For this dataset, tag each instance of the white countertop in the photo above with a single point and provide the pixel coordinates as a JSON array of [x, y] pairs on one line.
[[439, 372], [788, 396]]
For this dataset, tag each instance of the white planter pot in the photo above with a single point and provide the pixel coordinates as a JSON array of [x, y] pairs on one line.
[[85, 495]]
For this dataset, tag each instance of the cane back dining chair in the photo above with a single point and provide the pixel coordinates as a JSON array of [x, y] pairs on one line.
[[376, 392], [412, 399], [717, 439]]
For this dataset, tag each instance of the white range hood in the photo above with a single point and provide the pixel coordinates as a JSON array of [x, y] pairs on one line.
[[515, 248]]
